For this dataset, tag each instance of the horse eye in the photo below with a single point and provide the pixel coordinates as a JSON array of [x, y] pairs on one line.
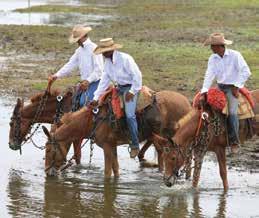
[[11, 123], [173, 158]]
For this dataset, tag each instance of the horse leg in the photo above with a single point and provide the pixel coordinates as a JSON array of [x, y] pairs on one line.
[[107, 148], [197, 169], [77, 150], [143, 150], [160, 158], [221, 156], [115, 163]]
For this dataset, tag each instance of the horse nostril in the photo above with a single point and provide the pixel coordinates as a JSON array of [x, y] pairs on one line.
[[168, 184]]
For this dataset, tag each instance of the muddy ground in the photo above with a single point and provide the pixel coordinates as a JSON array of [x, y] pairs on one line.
[[164, 37]]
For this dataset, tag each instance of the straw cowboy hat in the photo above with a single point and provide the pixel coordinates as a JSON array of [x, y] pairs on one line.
[[78, 32], [217, 39], [106, 45]]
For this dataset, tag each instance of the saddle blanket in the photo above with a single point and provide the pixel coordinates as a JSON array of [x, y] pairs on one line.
[[144, 99], [218, 101]]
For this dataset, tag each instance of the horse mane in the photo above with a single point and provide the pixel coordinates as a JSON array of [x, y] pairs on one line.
[[185, 119], [68, 118], [37, 97]]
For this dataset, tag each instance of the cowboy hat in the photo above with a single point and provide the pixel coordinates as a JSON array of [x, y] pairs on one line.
[[78, 32], [217, 39], [106, 45]]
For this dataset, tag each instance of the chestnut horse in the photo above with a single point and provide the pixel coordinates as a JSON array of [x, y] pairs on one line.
[[171, 106], [41, 109], [196, 133]]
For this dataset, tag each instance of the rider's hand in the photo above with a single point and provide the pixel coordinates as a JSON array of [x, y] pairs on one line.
[[84, 85], [129, 96], [235, 91], [52, 78]]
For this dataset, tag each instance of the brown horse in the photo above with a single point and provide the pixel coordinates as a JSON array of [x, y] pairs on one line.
[[190, 137], [41, 109], [171, 107]]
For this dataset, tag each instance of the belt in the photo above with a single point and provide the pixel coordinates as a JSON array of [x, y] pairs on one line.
[[124, 86], [224, 86]]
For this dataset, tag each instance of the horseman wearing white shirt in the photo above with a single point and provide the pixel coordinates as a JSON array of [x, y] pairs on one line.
[[89, 64], [121, 69], [231, 71]]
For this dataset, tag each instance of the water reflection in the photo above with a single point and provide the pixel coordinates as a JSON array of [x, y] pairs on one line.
[[22, 200], [76, 197], [64, 19]]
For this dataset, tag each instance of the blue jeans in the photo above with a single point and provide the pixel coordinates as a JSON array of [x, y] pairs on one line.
[[233, 121], [130, 111], [88, 95]]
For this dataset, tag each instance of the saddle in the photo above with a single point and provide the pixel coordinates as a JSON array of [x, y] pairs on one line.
[[145, 114], [218, 101], [144, 100]]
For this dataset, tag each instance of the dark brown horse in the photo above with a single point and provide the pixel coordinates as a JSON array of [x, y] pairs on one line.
[[41, 109], [171, 105], [190, 137]]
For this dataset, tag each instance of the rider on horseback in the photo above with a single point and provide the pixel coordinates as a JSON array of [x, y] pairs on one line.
[[89, 64], [231, 72], [121, 69]]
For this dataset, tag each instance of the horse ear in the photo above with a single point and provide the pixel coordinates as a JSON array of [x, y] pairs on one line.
[[19, 102], [46, 131], [159, 139]]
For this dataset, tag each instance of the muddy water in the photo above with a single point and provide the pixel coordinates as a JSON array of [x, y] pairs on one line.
[[82, 191], [7, 16]]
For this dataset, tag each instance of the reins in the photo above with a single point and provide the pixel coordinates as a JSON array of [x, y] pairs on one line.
[[97, 122]]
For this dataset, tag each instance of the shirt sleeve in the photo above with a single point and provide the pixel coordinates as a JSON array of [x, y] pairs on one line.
[[103, 85], [133, 69], [244, 71], [69, 66], [98, 69], [209, 76]]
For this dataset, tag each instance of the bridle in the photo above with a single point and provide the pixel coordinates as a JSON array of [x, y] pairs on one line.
[[56, 146], [201, 132], [17, 119], [98, 120]]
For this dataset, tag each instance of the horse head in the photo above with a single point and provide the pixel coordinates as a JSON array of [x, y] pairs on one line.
[[18, 126], [74, 127], [55, 154], [173, 157]]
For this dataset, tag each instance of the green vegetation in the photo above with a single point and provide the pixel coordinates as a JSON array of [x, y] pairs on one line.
[[164, 36], [64, 9]]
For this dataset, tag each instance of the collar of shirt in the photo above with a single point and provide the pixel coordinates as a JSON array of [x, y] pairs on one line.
[[226, 53], [87, 42], [114, 57]]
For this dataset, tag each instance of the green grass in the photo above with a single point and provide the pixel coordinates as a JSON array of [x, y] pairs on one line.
[[165, 37], [64, 9]]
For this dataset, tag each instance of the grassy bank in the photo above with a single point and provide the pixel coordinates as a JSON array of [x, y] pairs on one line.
[[164, 37]]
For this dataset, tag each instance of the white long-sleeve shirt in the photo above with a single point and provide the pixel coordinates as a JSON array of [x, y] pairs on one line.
[[121, 70], [89, 64], [230, 69]]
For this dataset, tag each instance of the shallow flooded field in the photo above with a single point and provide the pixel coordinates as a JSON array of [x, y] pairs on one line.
[[9, 16], [81, 191]]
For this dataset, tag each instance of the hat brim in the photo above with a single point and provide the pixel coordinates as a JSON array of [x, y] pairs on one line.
[[209, 42], [72, 39], [100, 50]]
